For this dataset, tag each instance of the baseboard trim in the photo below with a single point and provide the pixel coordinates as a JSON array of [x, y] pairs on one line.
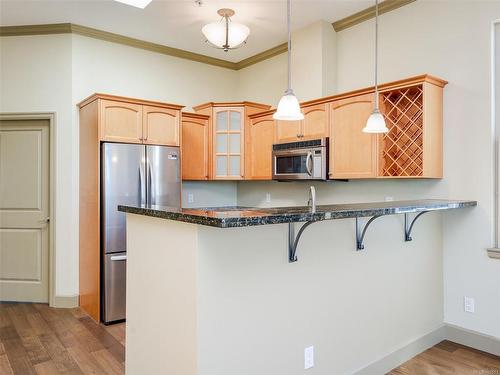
[[473, 339], [449, 332], [396, 358], [66, 301]]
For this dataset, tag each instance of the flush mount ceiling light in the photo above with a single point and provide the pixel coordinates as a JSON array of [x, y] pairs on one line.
[[376, 122], [136, 3], [288, 106], [225, 34]]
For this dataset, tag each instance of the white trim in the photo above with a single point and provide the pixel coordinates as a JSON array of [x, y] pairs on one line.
[[405, 353], [51, 117], [449, 332], [473, 339], [66, 301], [494, 133]]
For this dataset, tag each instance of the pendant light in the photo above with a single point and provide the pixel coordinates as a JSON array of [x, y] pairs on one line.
[[288, 106], [376, 122], [225, 34]]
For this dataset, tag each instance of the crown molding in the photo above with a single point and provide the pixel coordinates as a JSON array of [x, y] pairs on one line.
[[278, 50], [369, 13], [70, 28], [66, 28]]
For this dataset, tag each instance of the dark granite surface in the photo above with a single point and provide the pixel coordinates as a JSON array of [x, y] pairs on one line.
[[231, 217]]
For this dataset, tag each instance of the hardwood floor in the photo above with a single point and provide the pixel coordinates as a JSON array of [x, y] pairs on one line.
[[36, 339], [448, 358]]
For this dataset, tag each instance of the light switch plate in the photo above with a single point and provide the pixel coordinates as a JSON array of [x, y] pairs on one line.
[[190, 198]]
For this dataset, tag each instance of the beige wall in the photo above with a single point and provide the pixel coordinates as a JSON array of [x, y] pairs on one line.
[[451, 40], [35, 76], [55, 72]]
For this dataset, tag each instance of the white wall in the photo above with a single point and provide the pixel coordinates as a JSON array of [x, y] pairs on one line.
[[35, 76], [450, 39]]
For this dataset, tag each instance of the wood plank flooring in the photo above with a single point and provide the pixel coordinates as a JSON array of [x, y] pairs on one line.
[[38, 340], [449, 358]]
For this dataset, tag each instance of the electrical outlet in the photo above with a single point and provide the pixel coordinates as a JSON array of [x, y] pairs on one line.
[[388, 199], [268, 197], [469, 304], [190, 198], [308, 357]]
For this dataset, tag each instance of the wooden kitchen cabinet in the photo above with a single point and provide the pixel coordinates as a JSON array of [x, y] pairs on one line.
[[160, 126], [315, 125], [353, 154], [413, 111], [259, 139], [109, 118], [227, 131], [194, 146], [288, 131], [128, 120], [120, 121], [316, 122]]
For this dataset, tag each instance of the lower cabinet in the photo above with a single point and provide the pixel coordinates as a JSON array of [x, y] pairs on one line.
[[353, 154], [259, 138], [194, 146]]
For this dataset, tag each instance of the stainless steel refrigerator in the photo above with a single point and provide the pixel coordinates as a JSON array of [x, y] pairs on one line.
[[131, 175]]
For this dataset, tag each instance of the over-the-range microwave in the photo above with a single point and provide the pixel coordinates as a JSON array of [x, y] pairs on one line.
[[303, 160]]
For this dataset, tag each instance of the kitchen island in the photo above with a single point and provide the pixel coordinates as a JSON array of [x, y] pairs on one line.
[[220, 291]]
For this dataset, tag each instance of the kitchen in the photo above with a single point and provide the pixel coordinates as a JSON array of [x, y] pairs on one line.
[[446, 245]]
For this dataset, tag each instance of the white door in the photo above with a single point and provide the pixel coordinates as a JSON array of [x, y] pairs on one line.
[[24, 210]]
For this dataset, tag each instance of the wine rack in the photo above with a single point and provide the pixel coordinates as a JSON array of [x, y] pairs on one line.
[[403, 145], [413, 146]]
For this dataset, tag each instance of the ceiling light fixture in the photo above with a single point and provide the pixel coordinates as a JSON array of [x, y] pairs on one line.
[[225, 34], [136, 3], [288, 106], [376, 122]]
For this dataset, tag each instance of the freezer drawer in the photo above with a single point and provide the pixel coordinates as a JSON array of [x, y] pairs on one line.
[[115, 266]]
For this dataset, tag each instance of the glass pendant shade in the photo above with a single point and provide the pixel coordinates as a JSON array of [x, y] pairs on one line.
[[288, 108], [375, 123], [215, 33], [136, 3]]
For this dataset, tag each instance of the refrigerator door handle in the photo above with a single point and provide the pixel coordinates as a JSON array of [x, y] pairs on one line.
[[142, 186], [151, 197], [118, 257]]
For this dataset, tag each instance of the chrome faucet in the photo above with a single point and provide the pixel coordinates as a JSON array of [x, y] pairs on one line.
[[312, 199]]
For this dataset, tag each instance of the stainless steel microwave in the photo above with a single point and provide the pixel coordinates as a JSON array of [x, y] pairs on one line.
[[303, 160]]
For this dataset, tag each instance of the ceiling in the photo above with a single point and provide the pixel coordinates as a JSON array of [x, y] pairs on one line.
[[177, 23]]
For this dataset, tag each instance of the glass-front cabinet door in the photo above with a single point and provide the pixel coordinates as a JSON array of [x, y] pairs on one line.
[[228, 143]]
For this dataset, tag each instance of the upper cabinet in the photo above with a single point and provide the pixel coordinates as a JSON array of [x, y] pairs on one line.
[[160, 126], [194, 146], [315, 125], [228, 127], [128, 120], [258, 146], [120, 121], [316, 122], [228, 144], [353, 154], [413, 147]]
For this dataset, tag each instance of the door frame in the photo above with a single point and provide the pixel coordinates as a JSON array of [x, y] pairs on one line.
[[51, 117]]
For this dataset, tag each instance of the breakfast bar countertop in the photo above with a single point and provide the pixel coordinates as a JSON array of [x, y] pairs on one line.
[[236, 216]]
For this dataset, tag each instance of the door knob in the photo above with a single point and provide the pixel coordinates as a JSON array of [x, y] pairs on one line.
[[45, 221]]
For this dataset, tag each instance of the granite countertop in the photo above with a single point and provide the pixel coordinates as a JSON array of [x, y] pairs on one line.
[[232, 217]]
